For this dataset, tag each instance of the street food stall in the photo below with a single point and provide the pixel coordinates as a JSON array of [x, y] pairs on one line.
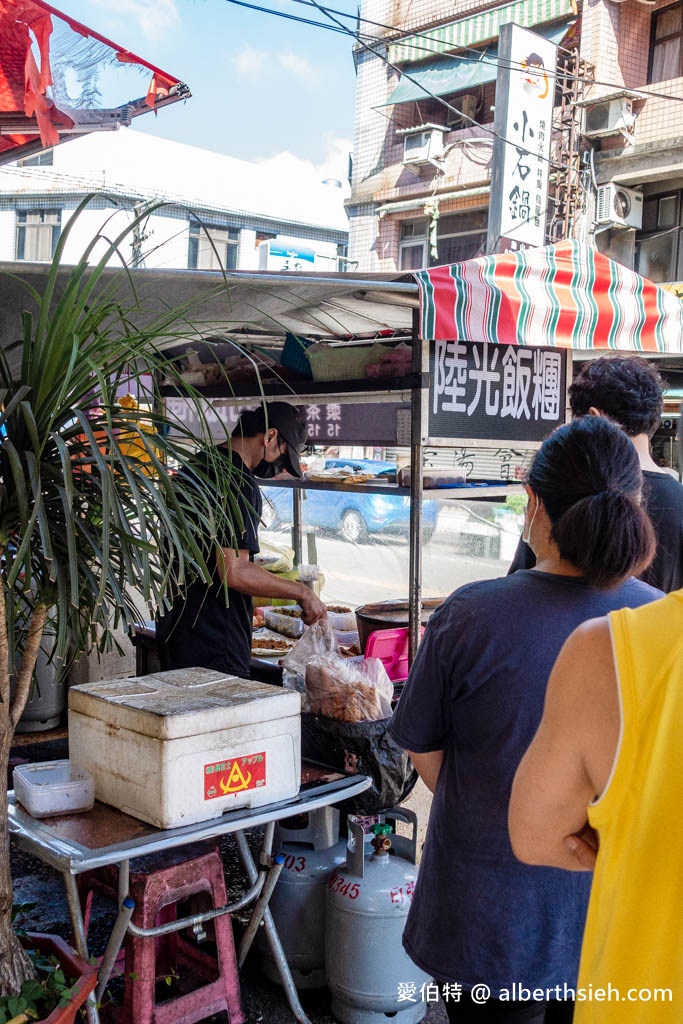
[[475, 356], [478, 354]]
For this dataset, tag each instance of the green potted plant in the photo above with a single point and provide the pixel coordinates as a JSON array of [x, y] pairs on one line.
[[90, 520]]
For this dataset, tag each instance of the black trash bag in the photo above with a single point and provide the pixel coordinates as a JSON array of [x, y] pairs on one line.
[[362, 748]]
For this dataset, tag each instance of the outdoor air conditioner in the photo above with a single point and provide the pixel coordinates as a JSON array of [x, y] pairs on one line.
[[619, 206], [421, 147], [611, 117]]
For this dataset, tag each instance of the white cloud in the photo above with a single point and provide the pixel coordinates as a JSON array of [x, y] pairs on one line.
[[250, 61], [302, 181], [154, 18], [295, 65]]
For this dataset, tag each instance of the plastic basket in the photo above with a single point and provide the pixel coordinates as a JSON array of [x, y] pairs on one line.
[[391, 647], [294, 355], [342, 362]]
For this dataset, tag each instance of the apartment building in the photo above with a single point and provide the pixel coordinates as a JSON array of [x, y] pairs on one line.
[[633, 133], [424, 136], [209, 210]]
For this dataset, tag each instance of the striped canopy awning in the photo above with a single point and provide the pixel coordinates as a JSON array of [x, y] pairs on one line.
[[478, 28], [566, 295]]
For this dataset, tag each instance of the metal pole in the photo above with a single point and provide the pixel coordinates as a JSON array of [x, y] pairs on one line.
[[416, 459], [80, 941], [272, 936], [297, 524]]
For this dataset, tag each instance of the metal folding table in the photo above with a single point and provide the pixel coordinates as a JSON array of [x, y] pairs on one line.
[[79, 842]]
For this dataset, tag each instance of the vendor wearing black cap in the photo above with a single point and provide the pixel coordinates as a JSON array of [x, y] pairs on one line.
[[201, 628]]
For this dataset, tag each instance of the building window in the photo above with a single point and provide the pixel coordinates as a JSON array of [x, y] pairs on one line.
[[659, 248], [412, 247], [666, 52], [212, 248], [37, 234], [44, 159], [461, 236]]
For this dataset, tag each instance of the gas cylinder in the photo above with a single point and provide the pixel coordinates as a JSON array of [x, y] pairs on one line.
[[297, 904], [370, 976]]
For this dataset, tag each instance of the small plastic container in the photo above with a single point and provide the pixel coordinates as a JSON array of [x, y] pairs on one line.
[[347, 637], [287, 625], [54, 787], [344, 621]]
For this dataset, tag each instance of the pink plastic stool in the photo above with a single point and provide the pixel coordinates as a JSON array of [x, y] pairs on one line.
[[391, 647], [157, 883]]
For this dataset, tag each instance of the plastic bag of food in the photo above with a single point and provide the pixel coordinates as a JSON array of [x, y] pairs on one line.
[[318, 640], [345, 689]]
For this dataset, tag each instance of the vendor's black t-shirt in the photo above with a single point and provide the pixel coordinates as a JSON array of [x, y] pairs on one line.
[[200, 629], [663, 499]]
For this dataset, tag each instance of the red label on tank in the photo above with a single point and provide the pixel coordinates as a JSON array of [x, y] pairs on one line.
[[222, 778]]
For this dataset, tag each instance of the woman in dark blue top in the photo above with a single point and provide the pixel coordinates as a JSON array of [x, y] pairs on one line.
[[504, 938]]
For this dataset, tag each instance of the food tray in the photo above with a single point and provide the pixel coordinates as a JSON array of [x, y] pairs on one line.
[[267, 644], [287, 625], [54, 787]]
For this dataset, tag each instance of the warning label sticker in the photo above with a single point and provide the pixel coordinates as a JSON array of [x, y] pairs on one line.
[[225, 777]]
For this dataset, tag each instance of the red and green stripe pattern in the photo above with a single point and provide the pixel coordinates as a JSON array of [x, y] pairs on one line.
[[566, 295]]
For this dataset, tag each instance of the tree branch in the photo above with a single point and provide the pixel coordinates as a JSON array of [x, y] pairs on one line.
[[22, 684]]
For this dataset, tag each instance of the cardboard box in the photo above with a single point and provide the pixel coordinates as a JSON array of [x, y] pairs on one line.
[[178, 747]]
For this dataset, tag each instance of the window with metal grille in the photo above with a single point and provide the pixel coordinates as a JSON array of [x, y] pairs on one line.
[[38, 232], [659, 245], [212, 248], [666, 51]]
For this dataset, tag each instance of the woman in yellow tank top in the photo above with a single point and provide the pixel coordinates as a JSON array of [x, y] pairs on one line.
[[607, 764]]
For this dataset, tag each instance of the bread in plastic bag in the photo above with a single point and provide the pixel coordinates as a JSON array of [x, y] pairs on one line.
[[336, 687]]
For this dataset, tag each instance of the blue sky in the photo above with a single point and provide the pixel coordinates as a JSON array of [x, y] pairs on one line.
[[260, 85]]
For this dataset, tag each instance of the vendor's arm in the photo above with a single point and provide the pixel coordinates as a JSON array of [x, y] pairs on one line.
[[570, 759], [236, 569], [428, 766]]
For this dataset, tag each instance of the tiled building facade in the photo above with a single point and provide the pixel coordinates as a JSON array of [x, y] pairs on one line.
[[405, 215]]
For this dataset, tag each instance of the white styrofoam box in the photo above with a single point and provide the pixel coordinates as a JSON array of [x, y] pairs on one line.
[[47, 788], [177, 747]]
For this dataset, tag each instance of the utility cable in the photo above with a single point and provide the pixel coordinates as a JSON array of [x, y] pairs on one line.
[[478, 57], [428, 94]]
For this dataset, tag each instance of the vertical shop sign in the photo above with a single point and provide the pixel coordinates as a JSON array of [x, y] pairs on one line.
[[525, 90]]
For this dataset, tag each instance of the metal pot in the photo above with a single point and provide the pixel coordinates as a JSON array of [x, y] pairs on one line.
[[389, 615]]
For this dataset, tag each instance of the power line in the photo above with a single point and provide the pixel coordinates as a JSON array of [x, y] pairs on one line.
[[489, 131], [479, 55]]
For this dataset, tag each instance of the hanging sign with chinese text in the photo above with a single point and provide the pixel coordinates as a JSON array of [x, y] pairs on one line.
[[495, 392], [525, 89]]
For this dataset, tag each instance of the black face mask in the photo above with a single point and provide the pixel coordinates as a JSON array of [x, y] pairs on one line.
[[265, 470]]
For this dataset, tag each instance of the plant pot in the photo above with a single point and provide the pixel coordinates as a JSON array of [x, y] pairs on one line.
[[74, 967]]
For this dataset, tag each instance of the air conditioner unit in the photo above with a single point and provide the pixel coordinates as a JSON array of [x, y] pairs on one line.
[[612, 117], [422, 146], [619, 206]]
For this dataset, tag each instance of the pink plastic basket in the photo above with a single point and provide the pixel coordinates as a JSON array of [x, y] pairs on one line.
[[391, 647]]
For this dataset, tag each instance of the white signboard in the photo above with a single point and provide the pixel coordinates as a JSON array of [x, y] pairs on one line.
[[277, 254], [525, 89]]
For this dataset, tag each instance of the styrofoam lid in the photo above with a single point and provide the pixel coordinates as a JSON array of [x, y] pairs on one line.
[[183, 702]]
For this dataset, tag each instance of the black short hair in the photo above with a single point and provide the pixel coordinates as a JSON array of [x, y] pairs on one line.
[[588, 476], [628, 389]]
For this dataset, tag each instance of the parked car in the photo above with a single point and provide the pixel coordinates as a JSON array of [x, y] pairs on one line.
[[354, 515]]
